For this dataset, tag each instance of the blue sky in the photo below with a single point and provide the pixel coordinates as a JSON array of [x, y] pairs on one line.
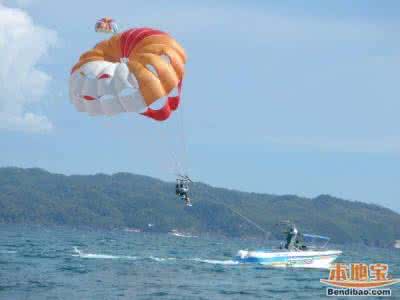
[[285, 97]]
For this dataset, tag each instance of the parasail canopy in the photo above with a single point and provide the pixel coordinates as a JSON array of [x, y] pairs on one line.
[[128, 73]]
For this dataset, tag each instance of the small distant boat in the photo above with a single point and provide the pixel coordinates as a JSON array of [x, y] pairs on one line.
[[175, 232], [312, 254], [397, 244], [136, 230]]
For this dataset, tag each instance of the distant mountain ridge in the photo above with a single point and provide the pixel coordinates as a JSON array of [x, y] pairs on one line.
[[126, 200]]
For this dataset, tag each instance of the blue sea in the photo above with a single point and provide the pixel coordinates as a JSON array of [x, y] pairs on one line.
[[39, 262]]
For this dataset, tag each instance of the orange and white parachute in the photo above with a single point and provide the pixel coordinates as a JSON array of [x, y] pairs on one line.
[[128, 73]]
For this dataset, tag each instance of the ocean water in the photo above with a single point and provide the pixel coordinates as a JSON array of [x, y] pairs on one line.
[[38, 262]]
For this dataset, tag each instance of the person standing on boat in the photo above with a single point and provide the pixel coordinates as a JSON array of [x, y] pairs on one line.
[[291, 238]]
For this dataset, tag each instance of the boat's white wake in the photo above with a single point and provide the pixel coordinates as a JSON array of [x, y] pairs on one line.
[[81, 254], [159, 259], [216, 262]]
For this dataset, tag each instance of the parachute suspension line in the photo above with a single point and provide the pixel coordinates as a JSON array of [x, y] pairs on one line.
[[177, 152], [248, 220], [177, 167], [170, 138], [183, 141], [242, 216], [168, 141]]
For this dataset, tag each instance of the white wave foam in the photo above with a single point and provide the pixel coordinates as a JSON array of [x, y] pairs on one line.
[[216, 262], [159, 259], [81, 254], [156, 258], [7, 251], [182, 235], [101, 256]]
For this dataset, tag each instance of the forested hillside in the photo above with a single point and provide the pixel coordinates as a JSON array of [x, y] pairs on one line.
[[127, 200]]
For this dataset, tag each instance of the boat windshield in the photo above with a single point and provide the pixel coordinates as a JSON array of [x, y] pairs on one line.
[[315, 241]]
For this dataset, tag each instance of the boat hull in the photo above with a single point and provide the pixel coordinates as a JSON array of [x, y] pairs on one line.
[[297, 259]]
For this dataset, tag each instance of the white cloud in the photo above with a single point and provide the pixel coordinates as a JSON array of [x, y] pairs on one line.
[[24, 2], [19, 3], [27, 122], [22, 45]]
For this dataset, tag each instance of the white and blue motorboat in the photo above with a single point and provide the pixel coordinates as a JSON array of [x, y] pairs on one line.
[[313, 254]]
